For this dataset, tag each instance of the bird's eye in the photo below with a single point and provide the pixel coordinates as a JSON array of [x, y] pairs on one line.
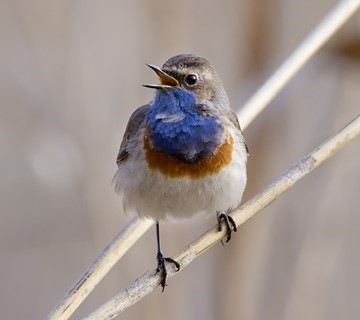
[[191, 79]]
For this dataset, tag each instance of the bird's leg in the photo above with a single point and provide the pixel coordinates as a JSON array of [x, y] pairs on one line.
[[161, 266], [229, 224]]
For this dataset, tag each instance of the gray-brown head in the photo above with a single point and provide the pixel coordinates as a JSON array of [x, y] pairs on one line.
[[195, 74]]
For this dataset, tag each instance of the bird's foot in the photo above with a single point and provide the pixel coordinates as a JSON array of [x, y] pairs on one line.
[[229, 224], [161, 268]]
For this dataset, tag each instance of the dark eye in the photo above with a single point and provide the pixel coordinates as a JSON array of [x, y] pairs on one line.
[[191, 79]]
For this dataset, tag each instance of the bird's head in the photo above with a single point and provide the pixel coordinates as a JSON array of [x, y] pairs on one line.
[[194, 74]]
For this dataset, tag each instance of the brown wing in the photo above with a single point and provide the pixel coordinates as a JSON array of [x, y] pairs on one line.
[[132, 127], [234, 119]]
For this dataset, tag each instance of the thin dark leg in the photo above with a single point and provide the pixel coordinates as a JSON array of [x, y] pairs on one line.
[[161, 267], [229, 224], [158, 236]]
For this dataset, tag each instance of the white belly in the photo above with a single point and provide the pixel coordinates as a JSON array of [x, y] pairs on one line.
[[151, 194]]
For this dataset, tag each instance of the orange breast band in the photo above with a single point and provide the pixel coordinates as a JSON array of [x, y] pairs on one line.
[[175, 168]]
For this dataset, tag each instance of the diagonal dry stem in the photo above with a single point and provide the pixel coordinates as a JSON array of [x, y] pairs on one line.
[[150, 280], [100, 267], [332, 22]]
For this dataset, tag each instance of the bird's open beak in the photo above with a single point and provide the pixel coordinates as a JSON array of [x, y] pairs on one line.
[[166, 81]]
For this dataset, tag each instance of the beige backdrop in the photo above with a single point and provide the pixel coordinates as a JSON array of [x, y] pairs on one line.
[[70, 76]]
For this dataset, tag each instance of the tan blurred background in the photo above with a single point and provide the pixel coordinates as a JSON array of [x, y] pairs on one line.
[[71, 75]]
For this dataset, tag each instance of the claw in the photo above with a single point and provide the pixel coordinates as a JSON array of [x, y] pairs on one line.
[[161, 268], [229, 224]]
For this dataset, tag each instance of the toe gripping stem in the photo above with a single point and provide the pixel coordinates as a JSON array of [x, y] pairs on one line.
[[229, 222], [161, 268], [161, 261]]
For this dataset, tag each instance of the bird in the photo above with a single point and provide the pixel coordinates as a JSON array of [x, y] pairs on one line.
[[183, 154]]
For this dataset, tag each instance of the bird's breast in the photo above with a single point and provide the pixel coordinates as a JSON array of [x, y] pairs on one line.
[[173, 167]]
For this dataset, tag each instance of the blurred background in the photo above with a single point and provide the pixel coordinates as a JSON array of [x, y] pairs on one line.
[[71, 75]]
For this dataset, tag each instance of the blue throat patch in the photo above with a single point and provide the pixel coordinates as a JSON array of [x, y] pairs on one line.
[[178, 128]]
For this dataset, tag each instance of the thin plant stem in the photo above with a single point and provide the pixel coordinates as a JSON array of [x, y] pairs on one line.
[[150, 280], [100, 267], [330, 24]]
